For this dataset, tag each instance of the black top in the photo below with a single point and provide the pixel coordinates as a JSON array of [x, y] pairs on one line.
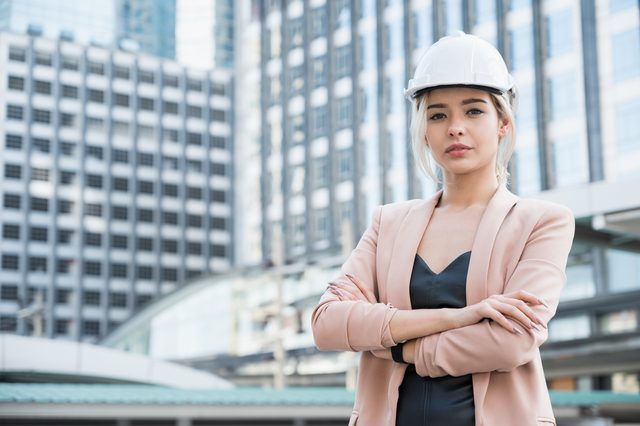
[[441, 401]]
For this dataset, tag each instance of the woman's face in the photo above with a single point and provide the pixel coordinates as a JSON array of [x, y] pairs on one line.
[[463, 129]]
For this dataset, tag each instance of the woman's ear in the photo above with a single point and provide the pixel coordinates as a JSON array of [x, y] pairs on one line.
[[504, 126]]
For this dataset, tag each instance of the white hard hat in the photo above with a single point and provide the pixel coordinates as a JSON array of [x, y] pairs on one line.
[[463, 60]]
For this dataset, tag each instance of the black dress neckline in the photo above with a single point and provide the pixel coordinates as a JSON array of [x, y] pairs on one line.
[[446, 267]]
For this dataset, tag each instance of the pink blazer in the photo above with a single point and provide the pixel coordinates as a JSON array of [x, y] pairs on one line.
[[520, 244]]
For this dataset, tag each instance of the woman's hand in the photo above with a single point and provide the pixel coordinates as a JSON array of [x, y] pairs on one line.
[[515, 305], [356, 290]]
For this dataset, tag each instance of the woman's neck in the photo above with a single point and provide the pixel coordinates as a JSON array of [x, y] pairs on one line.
[[467, 191]]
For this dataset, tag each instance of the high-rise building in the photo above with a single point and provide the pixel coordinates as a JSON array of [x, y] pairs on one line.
[[116, 181], [133, 25], [326, 141]]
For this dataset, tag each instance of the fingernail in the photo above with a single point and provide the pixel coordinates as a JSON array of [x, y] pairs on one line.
[[539, 320], [350, 275], [533, 325], [542, 302], [339, 292], [334, 283], [517, 330]]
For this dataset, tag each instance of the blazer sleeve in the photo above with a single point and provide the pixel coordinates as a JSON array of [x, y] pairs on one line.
[[487, 346], [355, 326]]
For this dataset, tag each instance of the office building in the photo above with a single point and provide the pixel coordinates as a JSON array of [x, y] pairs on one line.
[[326, 141], [116, 182]]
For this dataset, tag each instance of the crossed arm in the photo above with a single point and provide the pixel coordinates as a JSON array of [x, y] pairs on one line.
[[451, 341]]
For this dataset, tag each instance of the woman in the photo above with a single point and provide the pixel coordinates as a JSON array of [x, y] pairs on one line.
[[448, 298]]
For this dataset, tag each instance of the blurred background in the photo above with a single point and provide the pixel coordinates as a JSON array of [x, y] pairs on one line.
[[181, 178]]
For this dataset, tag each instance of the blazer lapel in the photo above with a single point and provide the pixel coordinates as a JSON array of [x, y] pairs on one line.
[[404, 251]]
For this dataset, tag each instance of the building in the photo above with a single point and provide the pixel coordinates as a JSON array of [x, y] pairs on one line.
[[325, 141], [116, 180], [134, 25]]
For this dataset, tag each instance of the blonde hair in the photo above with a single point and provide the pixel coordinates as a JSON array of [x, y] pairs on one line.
[[421, 151]]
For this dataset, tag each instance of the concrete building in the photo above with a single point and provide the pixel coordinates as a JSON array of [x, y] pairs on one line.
[[326, 141], [116, 180]]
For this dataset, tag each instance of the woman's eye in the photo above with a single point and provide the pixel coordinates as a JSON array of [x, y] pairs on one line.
[[475, 111], [437, 116]]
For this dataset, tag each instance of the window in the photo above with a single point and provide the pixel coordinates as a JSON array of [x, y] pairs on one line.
[[170, 108], [194, 221], [170, 135], [145, 104], [42, 58], [218, 223], [145, 159], [96, 96], [63, 295], [218, 89], [194, 138], [147, 132], [40, 174], [65, 206], [218, 142], [70, 92], [42, 87], [93, 210], [13, 141], [63, 266], [37, 263], [119, 241], [16, 83], [170, 218], [90, 297], [194, 111], [62, 326], [121, 72], [623, 271], [144, 273], [626, 55], [217, 196], [169, 274], [319, 117], [145, 244], [121, 100], [522, 48], [120, 156], [145, 187], [194, 193], [217, 169], [194, 166], [39, 204], [38, 233], [560, 33], [10, 261], [70, 63], [121, 184], [94, 181], [567, 161], [41, 145], [170, 80], [120, 213], [169, 246], [321, 171], [218, 115], [569, 328], [95, 124], [92, 239], [12, 171], [118, 300], [11, 201], [344, 113], [15, 112], [562, 96], [628, 126], [92, 268], [169, 163], [119, 270], [8, 323], [580, 282], [11, 232], [345, 164], [9, 292], [322, 224], [618, 5], [145, 215], [217, 250], [67, 149], [194, 85], [95, 68], [120, 128], [67, 120], [95, 152], [169, 190], [194, 248], [146, 76], [319, 22], [528, 170], [343, 61], [143, 299], [90, 328], [65, 236], [17, 54]]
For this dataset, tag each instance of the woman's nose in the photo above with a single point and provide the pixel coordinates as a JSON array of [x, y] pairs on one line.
[[455, 129]]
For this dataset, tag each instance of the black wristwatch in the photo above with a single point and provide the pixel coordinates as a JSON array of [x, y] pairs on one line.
[[396, 353]]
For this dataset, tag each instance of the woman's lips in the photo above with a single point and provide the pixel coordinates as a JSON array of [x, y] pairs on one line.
[[458, 151]]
